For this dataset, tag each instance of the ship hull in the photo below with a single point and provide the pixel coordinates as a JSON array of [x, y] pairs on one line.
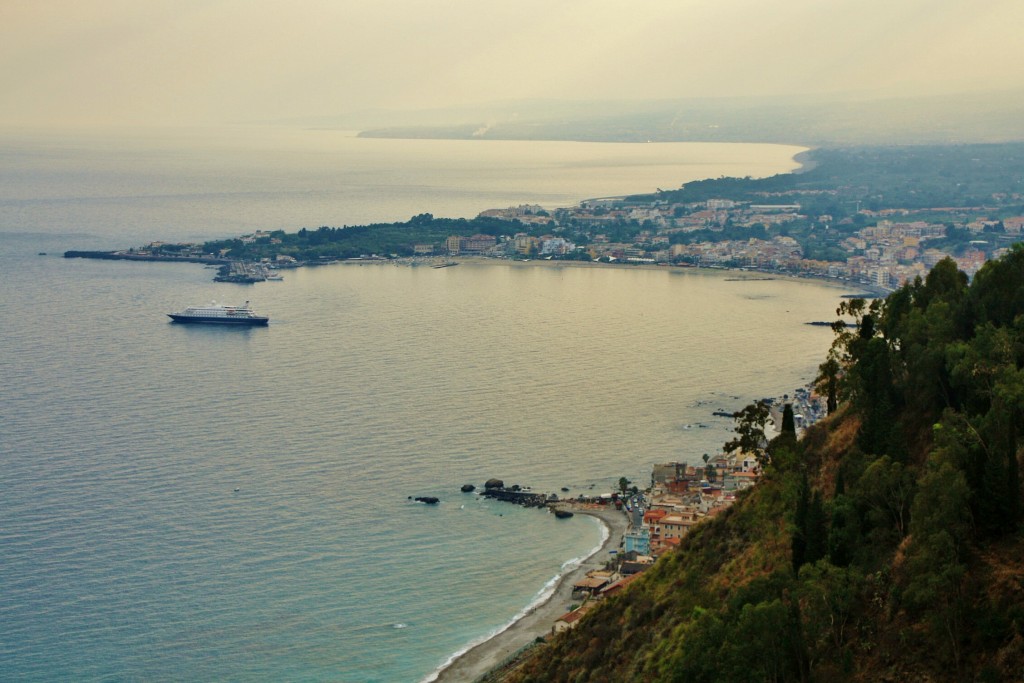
[[256, 321]]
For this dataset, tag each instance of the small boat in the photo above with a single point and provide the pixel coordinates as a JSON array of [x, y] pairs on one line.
[[563, 514]]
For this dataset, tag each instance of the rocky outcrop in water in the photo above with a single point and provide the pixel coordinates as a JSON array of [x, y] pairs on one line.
[[524, 498]]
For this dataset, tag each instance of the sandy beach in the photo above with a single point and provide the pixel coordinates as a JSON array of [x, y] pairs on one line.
[[485, 656]]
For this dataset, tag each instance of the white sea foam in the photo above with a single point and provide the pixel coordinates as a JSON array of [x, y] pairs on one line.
[[542, 596]]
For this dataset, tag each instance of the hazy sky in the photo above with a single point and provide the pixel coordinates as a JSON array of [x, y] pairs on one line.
[[195, 61]]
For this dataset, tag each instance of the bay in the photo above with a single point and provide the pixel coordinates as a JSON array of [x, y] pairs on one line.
[[207, 504], [197, 184]]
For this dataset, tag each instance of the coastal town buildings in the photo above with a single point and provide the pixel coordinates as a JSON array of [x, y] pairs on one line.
[[637, 540], [680, 497], [893, 247], [475, 244], [876, 247]]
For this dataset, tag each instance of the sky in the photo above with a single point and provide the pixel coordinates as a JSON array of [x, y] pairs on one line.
[[182, 62]]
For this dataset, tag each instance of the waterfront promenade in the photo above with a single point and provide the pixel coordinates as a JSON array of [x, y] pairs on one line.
[[538, 622]]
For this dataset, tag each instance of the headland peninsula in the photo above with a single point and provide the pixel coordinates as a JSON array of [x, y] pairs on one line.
[[868, 216]]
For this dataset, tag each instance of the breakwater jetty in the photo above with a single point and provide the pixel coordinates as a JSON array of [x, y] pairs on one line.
[[231, 270], [524, 498], [130, 256], [496, 490]]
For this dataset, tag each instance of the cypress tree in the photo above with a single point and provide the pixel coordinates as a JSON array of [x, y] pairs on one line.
[[815, 539], [788, 421], [799, 543], [827, 383]]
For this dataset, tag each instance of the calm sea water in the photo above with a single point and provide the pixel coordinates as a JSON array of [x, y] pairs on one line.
[[188, 503]]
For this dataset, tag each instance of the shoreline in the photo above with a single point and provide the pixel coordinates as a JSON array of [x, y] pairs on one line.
[[478, 659], [872, 291], [739, 274]]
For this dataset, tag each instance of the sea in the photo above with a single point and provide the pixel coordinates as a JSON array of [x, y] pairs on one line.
[[196, 503]]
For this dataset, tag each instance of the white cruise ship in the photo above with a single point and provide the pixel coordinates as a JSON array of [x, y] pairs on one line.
[[219, 314]]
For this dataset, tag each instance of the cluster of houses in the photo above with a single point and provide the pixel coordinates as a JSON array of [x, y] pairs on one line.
[[680, 496], [886, 254], [520, 244], [597, 586], [892, 252]]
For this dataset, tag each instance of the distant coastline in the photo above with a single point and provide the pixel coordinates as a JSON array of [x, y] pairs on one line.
[[806, 161]]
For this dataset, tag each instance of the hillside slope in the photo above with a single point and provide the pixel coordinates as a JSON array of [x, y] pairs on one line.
[[884, 545]]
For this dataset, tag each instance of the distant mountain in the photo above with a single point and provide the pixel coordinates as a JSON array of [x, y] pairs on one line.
[[807, 120]]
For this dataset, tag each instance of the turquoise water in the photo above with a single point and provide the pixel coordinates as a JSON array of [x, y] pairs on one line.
[[184, 503]]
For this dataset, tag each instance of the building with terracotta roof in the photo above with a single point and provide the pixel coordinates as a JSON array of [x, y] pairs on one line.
[[590, 584], [616, 587], [570, 619]]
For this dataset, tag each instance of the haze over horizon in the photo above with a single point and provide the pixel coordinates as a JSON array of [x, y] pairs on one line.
[[191, 62]]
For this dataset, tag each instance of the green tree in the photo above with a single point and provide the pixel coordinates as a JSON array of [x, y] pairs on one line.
[[936, 556], [815, 529], [749, 428], [788, 421], [828, 599], [765, 645], [709, 471], [875, 399], [700, 640], [996, 294], [986, 372], [798, 543], [810, 536], [888, 489], [827, 383], [844, 533]]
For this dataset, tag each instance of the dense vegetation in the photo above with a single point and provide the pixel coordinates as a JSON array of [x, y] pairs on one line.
[[327, 243], [946, 184], [884, 545], [845, 179]]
